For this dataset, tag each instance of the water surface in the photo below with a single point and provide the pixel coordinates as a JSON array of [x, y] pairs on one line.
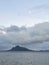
[[24, 58]]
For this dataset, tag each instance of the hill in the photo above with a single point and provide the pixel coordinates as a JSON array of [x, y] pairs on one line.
[[18, 48]]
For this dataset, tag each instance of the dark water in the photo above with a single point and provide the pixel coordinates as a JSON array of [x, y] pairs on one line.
[[24, 58]]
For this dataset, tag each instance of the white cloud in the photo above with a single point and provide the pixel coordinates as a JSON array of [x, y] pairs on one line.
[[22, 35]]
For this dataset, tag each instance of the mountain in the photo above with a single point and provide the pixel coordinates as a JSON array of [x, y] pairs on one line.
[[18, 48]]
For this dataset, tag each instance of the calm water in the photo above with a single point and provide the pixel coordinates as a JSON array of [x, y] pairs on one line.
[[24, 58]]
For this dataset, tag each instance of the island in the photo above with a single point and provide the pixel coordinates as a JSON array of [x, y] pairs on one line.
[[19, 48]]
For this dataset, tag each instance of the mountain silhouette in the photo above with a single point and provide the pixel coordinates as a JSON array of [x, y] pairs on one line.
[[18, 48]]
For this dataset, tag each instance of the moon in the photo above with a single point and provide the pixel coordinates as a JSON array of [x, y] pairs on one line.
[[29, 11]]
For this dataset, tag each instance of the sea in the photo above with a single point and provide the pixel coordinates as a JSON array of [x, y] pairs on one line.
[[24, 58]]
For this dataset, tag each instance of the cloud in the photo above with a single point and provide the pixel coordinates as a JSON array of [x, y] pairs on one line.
[[25, 35], [14, 28]]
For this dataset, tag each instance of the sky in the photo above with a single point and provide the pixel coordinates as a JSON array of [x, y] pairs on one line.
[[35, 38], [25, 23], [23, 12]]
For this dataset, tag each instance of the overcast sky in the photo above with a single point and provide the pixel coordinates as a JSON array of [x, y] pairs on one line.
[[23, 12], [16, 15], [36, 37]]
